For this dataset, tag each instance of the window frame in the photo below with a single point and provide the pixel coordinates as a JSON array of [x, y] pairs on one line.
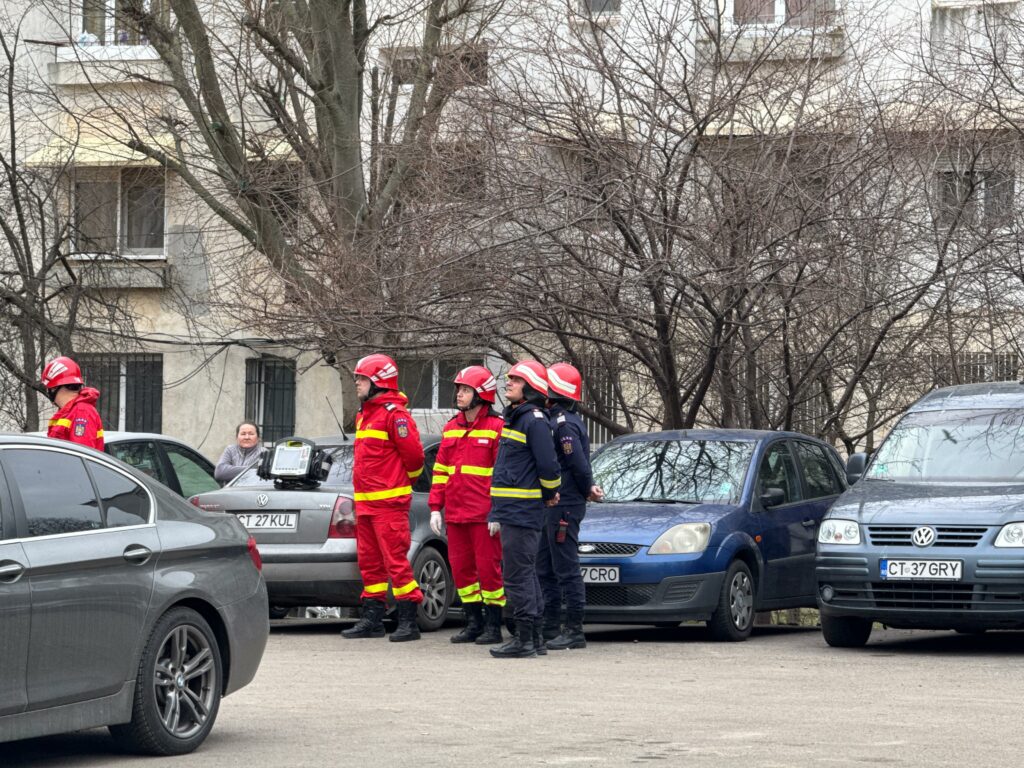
[[976, 212], [18, 506], [783, 445], [780, 20], [164, 448], [116, 175], [123, 360], [255, 408], [110, 30], [837, 484]]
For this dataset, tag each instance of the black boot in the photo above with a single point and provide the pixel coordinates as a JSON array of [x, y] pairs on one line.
[[538, 637], [521, 645], [407, 628], [474, 624], [552, 621], [371, 624], [572, 634], [492, 628]]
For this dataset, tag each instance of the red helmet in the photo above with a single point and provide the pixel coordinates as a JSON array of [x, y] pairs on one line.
[[380, 369], [565, 381], [60, 372], [480, 380], [533, 373]]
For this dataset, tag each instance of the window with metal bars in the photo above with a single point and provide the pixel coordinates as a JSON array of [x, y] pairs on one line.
[[131, 389], [270, 396], [973, 367]]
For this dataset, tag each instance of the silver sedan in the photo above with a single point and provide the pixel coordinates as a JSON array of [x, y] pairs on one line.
[[120, 604], [308, 537]]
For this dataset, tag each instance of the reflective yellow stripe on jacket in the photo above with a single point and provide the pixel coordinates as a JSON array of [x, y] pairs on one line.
[[377, 434], [515, 493], [467, 469], [60, 422], [388, 493], [512, 434]]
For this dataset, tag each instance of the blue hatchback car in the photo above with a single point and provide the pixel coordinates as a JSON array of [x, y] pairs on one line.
[[707, 525], [932, 536]]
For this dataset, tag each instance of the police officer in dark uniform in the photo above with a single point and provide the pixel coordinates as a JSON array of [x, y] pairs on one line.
[[525, 480], [558, 562]]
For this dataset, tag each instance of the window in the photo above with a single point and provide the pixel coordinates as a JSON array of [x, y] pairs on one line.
[[106, 22], [979, 197], [270, 396], [140, 455], [429, 383], [973, 32], [402, 64], [462, 66], [55, 490], [777, 471], [790, 13], [124, 502], [819, 478], [131, 390], [600, 7], [122, 214], [973, 368], [195, 475]]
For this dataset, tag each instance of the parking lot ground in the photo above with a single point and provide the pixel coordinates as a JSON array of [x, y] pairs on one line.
[[635, 696]]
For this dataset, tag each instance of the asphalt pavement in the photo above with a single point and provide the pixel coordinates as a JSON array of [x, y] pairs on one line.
[[634, 696]]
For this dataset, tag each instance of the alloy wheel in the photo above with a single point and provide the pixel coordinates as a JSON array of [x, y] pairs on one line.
[[434, 586], [185, 681]]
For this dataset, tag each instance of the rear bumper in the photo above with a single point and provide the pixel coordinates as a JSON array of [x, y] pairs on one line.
[[326, 574], [247, 627], [673, 599]]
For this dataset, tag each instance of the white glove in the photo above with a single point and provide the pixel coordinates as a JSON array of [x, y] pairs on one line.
[[494, 528], [435, 522]]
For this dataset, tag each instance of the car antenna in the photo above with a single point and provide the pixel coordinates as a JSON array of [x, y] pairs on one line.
[[336, 419]]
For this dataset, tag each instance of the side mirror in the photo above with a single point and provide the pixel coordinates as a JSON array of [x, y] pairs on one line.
[[772, 497], [855, 467]]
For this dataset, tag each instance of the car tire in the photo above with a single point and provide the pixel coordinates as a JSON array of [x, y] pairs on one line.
[[733, 619], [845, 631], [177, 689], [436, 582], [279, 611]]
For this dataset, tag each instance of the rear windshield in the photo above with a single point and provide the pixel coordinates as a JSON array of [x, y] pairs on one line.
[[340, 474], [950, 446], [673, 470]]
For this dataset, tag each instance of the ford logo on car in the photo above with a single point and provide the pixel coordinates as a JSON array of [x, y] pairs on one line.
[[586, 549], [262, 500]]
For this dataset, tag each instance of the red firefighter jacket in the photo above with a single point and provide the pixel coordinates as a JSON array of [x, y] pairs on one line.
[[79, 421], [388, 455], [463, 468]]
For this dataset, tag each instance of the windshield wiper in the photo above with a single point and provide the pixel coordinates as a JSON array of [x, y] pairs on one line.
[[655, 500]]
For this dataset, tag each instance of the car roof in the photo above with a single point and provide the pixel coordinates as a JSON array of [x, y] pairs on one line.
[[741, 435], [1004, 394]]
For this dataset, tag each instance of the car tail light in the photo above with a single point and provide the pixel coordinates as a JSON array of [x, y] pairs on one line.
[[343, 520], [254, 553]]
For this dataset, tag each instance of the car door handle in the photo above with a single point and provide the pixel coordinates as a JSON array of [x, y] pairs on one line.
[[808, 522], [137, 554], [10, 571]]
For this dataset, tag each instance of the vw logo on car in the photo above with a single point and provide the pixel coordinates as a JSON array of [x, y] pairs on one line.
[[924, 536], [262, 500]]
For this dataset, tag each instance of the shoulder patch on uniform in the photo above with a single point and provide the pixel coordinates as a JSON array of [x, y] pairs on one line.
[[561, 418], [79, 426], [389, 406], [402, 427], [567, 445]]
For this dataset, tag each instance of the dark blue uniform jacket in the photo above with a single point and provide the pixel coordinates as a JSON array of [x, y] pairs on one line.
[[526, 470], [572, 445]]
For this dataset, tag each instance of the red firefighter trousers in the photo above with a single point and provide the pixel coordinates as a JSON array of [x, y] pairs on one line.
[[382, 545], [475, 556]]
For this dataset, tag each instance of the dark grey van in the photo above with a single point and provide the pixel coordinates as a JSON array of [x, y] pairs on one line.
[[931, 535]]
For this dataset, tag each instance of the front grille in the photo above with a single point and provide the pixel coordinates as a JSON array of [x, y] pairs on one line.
[[597, 548], [945, 535], [924, 595], [619, 594]]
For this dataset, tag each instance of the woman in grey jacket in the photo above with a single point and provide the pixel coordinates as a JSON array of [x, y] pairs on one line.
[[239, 457]]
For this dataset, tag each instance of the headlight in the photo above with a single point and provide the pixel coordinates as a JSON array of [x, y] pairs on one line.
[[839, 531], [1012, 535], [682, 539]]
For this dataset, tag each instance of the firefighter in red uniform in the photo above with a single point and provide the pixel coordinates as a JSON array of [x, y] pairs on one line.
[[462, 488], [388, 459], [76, 419]]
